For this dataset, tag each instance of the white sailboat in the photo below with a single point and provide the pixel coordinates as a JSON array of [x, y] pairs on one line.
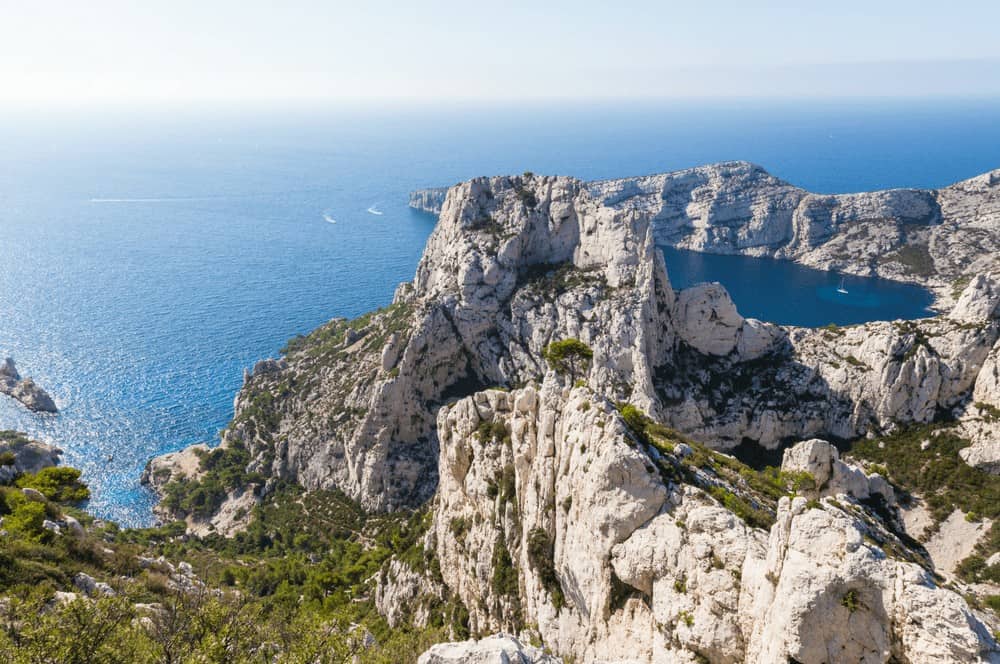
[[842, 288]]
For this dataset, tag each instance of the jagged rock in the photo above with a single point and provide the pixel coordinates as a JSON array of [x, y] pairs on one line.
[[935, 238], [73, 526], [30, 456], [497, 649], [823, 594], [832, 476], [979, 301], [185, 465], [662, 571], [91, 587], [33, 494], [404, 596], [24, 389], [52, 526], [518, 262], [267, 366], [707, 320]]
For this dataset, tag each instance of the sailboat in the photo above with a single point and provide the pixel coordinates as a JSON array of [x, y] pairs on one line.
[[842, 288]]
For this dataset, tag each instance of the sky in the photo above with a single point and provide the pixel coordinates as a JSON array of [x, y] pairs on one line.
[[307, 51]]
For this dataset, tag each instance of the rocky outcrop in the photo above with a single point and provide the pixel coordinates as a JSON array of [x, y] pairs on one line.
[[25, 455], [186, 466], [831, 476], [516, 263], [497, 649], [553, 512], [24, 389], [560, 517], [981, 421], [938, 238], [935, 238], [842, 382], [429, 200]]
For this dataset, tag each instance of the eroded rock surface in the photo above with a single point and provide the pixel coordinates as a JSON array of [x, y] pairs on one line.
[[24, 389], [570, 523], [497, 649], [551, 512], [26, 455], [516, 263]]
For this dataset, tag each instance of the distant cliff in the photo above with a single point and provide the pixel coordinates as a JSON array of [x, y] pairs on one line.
[[428, 200], [936, 238]]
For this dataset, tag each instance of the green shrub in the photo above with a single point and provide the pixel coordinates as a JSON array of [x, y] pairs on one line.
[[7, 458], [850, 601], [568, 356], [541, 555], [26, 519], [504, 581], [60, 484]]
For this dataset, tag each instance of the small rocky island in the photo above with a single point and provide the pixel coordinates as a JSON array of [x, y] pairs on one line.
[[24, 389]]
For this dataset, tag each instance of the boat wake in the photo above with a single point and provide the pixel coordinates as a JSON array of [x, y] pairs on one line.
[[374, 210], [328, 219]]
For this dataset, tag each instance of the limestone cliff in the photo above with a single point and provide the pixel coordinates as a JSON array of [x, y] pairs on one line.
[[518, 262], [553, 511], [938, 238], [564, 519]]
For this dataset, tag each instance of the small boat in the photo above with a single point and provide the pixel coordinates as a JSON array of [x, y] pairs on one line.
[[841, 288], [374, 210]]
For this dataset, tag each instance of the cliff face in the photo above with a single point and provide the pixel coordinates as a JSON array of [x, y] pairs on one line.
[[515, 264], [610, 545], [936, 238], [550, 510], [518, 262], [429, 200]]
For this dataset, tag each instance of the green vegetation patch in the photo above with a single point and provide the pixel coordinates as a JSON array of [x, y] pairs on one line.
[[945, 482], [541, 555], [916, 258]]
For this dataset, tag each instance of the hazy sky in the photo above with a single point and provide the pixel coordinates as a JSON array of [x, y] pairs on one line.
[[246, 51]]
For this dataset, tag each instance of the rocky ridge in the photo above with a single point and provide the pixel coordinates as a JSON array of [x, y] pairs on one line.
[[938, 238], [516, 263], [428, 200], [24, 389], [551, 509], [611, 542]]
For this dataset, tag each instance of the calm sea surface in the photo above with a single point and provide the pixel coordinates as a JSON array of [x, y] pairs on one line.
[[790, 294], [147, 258]]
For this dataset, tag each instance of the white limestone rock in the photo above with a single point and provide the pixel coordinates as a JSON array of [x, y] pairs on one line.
[[707, 320], [979, 301], [30, 456], [497, 649], [567, 474], [832, 476]]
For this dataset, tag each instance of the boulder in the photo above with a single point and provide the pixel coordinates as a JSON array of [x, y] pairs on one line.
[[496, 649]]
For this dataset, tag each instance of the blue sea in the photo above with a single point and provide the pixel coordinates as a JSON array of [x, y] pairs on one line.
[[148, 257], [790, 294]]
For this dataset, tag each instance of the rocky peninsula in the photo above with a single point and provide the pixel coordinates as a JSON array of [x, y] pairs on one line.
[[567, 416], [936, 238], [24, 389]]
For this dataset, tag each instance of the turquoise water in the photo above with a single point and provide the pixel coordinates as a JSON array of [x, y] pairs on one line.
[[146, 259], [790, 294]]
